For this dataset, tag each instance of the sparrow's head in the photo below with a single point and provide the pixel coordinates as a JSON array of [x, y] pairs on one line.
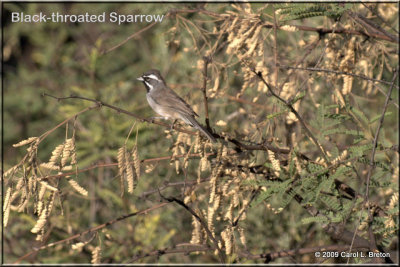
[[151, 79]]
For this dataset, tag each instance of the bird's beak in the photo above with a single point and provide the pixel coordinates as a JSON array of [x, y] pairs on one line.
[[140, 79]]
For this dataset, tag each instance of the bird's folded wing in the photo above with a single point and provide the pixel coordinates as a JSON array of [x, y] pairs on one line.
[[173, 101]]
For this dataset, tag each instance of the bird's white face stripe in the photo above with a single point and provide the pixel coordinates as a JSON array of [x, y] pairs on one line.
[[149, 85], [152, 76]]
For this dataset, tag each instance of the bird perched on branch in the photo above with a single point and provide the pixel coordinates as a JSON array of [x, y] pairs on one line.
[[165, 102]]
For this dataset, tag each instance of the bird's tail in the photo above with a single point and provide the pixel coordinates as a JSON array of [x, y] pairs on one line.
[[192, 121]]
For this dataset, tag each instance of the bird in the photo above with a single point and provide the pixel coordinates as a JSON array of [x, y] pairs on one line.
[[165, 102]]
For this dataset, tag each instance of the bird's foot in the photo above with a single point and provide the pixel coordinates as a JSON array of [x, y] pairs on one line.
[[173, 125]]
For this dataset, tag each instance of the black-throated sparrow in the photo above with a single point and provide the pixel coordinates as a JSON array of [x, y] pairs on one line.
[[167, 103]]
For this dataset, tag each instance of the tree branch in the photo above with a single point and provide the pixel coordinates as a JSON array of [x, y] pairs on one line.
[[90, 230], [290, 106], [372, 162], [221, 253], [206, 61], [323, 31]]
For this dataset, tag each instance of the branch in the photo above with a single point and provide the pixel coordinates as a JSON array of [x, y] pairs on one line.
[[90, 230], [194, 155], [372, 162], [221, 254], [339, 72], [290, 106], [189, 248], [206, 61], [236, 142], [119, 110], [323, 31], [346, 73]]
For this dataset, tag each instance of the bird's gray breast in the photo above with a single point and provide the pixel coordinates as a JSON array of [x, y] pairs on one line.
[[155, 105]]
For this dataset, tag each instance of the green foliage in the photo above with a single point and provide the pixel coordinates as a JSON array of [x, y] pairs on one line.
[[302, 11]]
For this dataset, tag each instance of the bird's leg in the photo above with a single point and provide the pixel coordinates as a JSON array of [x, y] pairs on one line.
[[163, 118], [173, 124]]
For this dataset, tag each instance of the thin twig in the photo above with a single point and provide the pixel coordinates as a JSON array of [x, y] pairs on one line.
[[119, 110], [221, 253], [193, 155], [372, 159], [234, 141], [189, 248], [379, 17], [206, 61], [90, 230], [290, 106], [130, 37], [341, 73], [323, 31]]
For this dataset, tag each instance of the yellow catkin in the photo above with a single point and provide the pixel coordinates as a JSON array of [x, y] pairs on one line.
[[22, 206], [227, 238], [235, 198], [289, 28], [67, 168], [204, 164], [225, 188], [196, 233], [121, 160], [68, 147], [221, 123], [136, 160], [73, 152], [210, 216], [6, 207], [50, 203], [45, 184], [42, 191], [216, 85], [49, 166], [129, 174], [394, 200], [9, 171], [96, 255], [213, 187], [253, 42], [40, 222], [347, 84], [19, 184], [56, 153], [39, 206], [242, 236], [229, 213], [149, 168], [275, 163], [7, 199], [78, 246], [340, 157], [177, 166], [217, 201], [40, 236], [26, 141], [74, 184]]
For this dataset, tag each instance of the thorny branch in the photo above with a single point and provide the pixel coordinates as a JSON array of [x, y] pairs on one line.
[[221, 253], [206, 61], [91, 230], [290, 106], [372, 161], [239, 144]]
